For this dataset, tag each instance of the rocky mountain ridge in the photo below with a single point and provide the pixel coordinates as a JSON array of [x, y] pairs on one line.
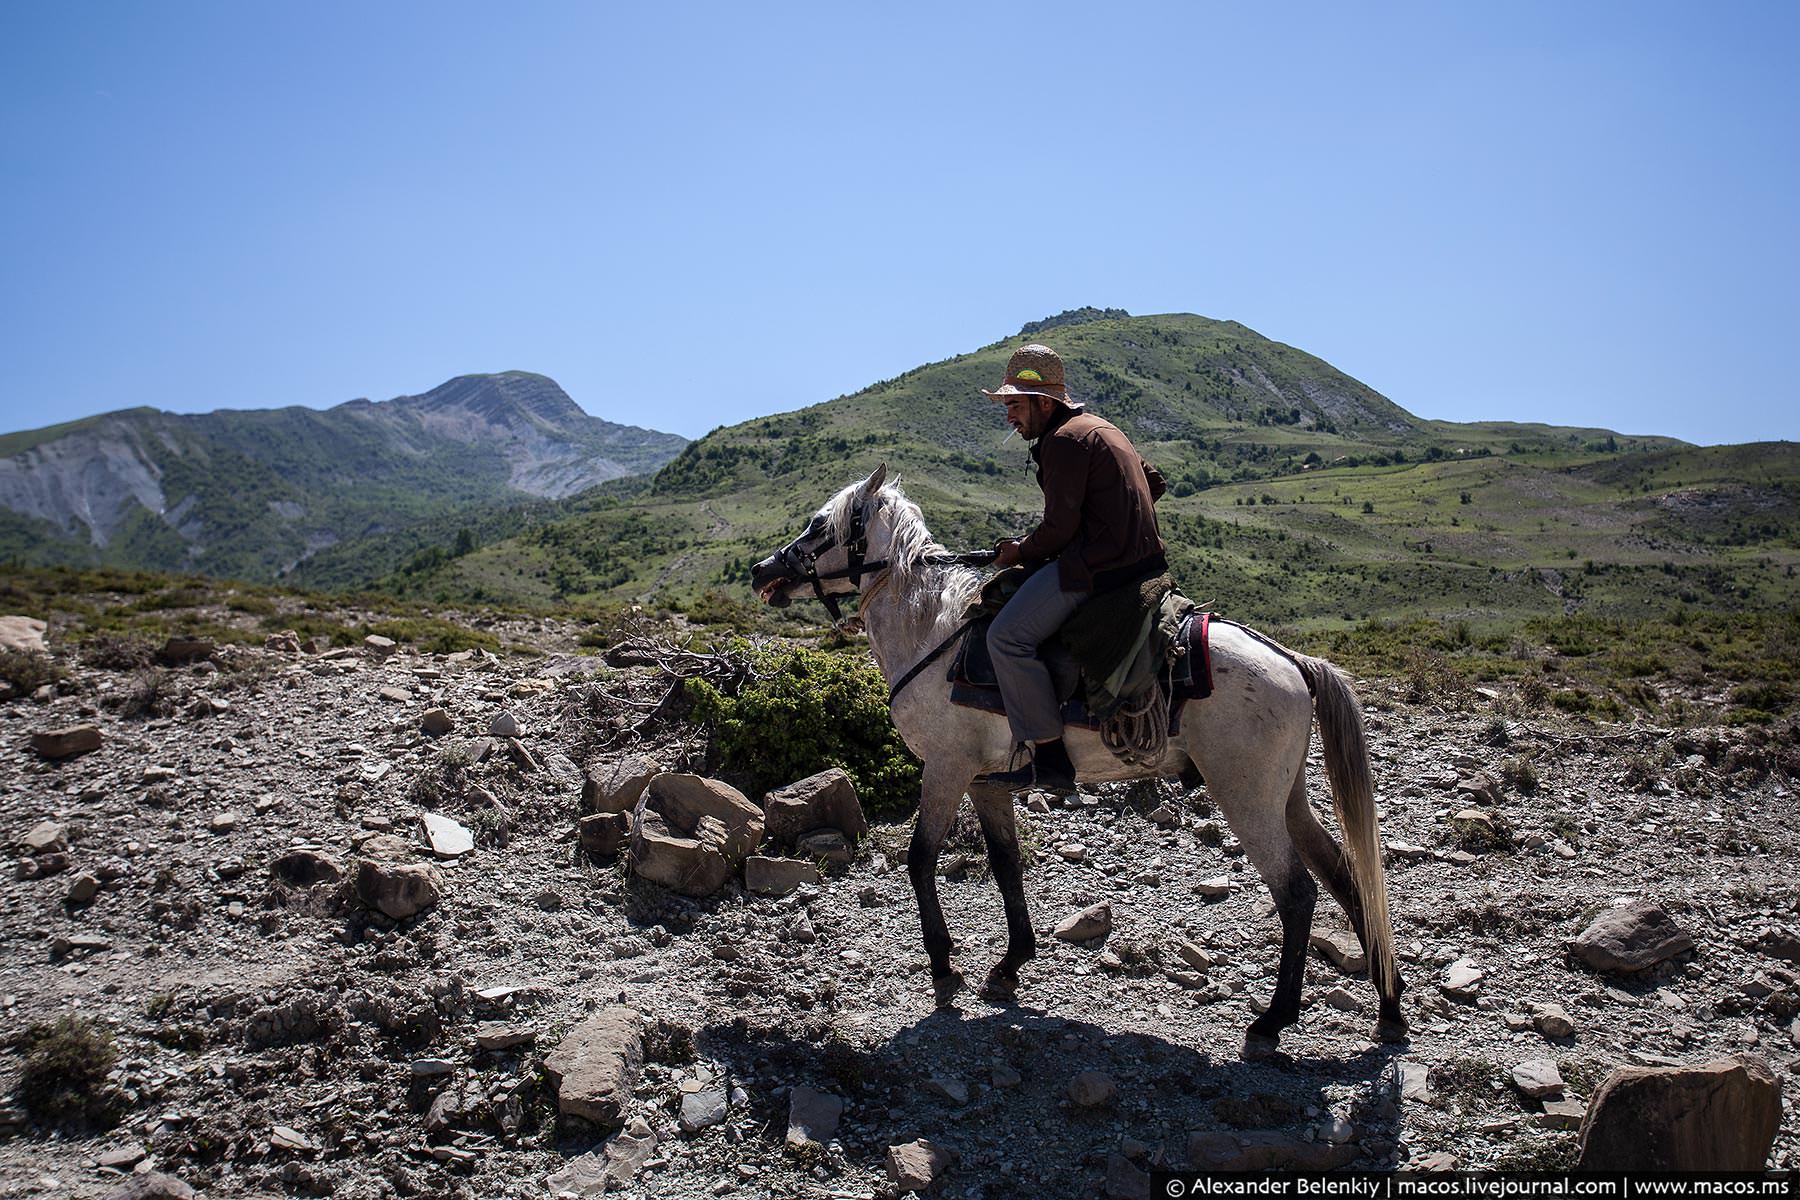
[[249, 493]]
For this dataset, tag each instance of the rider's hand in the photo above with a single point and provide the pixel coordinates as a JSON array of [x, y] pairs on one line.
[[1006, 552]]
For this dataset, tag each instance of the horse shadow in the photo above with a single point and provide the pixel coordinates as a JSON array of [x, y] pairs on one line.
[[1034, 1103]]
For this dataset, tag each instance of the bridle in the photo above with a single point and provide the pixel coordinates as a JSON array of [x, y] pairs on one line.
[[803, 564]]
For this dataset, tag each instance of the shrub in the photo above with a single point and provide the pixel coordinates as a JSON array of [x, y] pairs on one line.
[[29, 670], [118, 652], [803, 711], [64, 1076], [1520, 775]]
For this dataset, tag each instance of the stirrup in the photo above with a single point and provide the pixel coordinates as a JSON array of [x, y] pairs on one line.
[[1026, 778]]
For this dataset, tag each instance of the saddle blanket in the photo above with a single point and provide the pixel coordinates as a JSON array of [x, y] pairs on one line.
[[972, 675]]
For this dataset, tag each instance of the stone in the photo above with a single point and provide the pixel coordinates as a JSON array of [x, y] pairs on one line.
[[304, 867], [286, 1137], [1265, 1150], [1343, 949], [615, 787], [123, 1158], [827, 800], [1341, 999], [83, 888], [812, 1116], [1462, 981], [46, 837], [604, 834], [393, 695], [447, 838], [504, 1037], [1717, 1116], [504, 725], [179, 650], [684, 799], [377, 646], [1480, 787], [1216, 888], [827, 845], [1194, 955], [386, 879], [951, 1089], [1538, 1078], [437, 722], [915, 1166], [1005, 1077], [23, 634], [1163, 816], [1092, 922], [595, 1067], [1561, 1114], [1438, 1162], [702, 1110], [1125, 1180], [1091, 1089], [684, 864], [615, 1165], [66, 742], [1413, 1081], [777, 876], [515, 750], [153, 1185], [223, 822], [1631, 938], [1552, 1020]]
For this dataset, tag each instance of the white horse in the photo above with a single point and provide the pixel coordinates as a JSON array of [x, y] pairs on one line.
[[1248, 739]]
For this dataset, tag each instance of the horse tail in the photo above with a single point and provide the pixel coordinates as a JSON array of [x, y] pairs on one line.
[[1353, 797]]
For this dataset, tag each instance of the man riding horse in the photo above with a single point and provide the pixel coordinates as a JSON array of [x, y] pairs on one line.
[[1099, 529]]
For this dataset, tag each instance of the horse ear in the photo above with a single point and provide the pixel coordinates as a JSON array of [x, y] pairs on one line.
[[874, 482]]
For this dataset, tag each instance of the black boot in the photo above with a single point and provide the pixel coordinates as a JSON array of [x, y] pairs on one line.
[[1049, 770]]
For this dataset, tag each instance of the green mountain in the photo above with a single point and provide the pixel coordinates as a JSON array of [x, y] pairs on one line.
[[251, 494], [1300, 495]]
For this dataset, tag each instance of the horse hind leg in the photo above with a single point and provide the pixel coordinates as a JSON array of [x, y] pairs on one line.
[[1326, 859], [994, 808], [938, 802]]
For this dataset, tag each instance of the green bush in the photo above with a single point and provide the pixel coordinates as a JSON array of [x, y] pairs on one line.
[[29, 670], [804, 711], [64, 1076]]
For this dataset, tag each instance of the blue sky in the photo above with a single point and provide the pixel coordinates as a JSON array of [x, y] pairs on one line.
[[694, 214]]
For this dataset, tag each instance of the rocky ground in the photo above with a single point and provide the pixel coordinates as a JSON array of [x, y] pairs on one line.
[[277, 1038]]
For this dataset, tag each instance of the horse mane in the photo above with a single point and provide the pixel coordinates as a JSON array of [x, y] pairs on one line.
[[936, 590]]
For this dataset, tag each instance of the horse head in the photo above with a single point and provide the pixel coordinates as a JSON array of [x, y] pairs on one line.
[[830, 554]]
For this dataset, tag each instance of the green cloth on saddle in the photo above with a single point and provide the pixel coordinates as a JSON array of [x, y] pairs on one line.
[[1109, 636]]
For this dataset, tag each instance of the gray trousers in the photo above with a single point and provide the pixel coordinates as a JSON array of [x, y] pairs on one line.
[[1029, 619]]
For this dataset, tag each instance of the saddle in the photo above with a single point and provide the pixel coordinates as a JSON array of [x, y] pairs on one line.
[[1125, 664]]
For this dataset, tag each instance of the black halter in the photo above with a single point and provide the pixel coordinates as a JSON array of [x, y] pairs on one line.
[[803, 564]]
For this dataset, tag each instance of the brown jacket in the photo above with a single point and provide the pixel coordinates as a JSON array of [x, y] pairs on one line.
[[1099, 505]]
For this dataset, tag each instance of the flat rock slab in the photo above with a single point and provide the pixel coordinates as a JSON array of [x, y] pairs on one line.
[[597, 1065], [702, 1110], [1629, 939], [1538, 1078], [812, 1116], [1089, 923], [504, 1037], [915, 1166], [1717, 1116], [1343, 949], [777, 876], [66, 742], [46, 837], [447, 838], [152, 1186], [23, 633]]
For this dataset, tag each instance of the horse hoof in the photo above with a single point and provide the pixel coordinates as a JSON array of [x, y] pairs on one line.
[[1258, 1047], [946, 987], [1000, 987], [1391, 1030]]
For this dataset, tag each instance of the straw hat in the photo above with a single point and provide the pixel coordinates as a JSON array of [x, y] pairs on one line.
[[1033, 370]]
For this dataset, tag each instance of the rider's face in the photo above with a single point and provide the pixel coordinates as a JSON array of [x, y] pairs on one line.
[[1028, 414]]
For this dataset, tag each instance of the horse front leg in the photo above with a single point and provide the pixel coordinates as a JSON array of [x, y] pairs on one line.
[[994, 808], [937, 809]]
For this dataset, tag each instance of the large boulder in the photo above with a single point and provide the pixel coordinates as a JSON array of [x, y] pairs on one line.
[[614, 787], [1717, 1116], [1632, 938], [691, 834], [389, 880], [22, 633], [597, 1065], [824, 801]]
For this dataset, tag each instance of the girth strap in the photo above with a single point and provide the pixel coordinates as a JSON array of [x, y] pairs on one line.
[[928, 659]]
